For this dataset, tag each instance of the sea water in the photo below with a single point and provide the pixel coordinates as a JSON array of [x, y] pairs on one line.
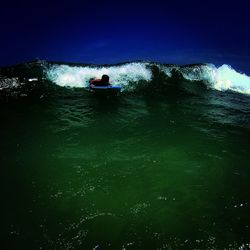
[[163, 166]]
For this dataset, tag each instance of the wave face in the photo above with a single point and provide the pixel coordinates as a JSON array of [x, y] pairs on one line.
[[221, 78], [123, 75], [134, 76]]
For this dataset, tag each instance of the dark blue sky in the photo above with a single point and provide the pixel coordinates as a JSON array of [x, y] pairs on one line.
[[114, 31]]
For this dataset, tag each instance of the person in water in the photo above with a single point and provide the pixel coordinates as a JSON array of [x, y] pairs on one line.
[[104, 81]]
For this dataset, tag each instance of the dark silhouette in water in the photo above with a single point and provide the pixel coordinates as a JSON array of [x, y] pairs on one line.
[[100, 82]]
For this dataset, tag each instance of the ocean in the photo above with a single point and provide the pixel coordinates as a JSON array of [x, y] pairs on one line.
[[164, 165]]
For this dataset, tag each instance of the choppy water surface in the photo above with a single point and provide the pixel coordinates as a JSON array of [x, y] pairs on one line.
[[139, 171]]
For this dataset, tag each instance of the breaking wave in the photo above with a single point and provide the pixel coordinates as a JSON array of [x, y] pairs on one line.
[[123, 75], [132, 76], [221, 78]]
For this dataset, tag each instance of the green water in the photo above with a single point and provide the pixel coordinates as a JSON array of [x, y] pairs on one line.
[[136, 172]]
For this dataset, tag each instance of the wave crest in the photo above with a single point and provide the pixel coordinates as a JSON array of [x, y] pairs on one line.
[[127, 75], [124, 75]]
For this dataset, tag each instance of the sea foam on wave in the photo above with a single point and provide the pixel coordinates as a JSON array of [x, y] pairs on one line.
[[220, 78], [64, 75]]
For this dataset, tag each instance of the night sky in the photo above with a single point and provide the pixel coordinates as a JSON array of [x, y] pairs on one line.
[[115, 31]]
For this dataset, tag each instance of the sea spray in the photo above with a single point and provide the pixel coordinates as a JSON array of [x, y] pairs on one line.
[[65, 75], [131, 76], [222, 78], [127, 75], [227, 78]]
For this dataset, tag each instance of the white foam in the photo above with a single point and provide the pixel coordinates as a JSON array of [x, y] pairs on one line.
[[222, 78], [227, 78], [64, 75]]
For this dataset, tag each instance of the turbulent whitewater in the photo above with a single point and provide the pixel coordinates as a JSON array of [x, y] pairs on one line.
[[220, 78], [132, 76]]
